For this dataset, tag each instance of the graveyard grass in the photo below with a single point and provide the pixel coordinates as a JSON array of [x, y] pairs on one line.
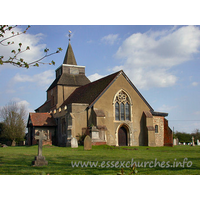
[[18, 160]]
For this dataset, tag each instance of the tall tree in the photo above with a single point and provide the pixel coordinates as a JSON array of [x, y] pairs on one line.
[[196, 134], [13, 117]]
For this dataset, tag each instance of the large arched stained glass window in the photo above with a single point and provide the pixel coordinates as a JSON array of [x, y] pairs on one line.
[[122, 107]]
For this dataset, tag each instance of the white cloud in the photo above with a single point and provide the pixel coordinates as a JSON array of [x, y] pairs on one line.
[[148, 57], [197, 113], [166, 108], [43, 79], [90, 41], [36, 49], [110, 39], [195, 83], [25, 104], [95, 77]]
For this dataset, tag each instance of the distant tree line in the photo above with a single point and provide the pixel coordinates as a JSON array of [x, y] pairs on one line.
[[187, 137]]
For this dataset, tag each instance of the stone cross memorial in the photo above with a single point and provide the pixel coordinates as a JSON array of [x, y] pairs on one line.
[[87, 143], [74, 143], [39, 159], [193, 141]]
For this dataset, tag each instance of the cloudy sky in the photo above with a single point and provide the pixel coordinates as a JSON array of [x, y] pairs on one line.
[[161, 61]]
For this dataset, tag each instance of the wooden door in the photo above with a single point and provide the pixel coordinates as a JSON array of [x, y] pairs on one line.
[[122, 137]]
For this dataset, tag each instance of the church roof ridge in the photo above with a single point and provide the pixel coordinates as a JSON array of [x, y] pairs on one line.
[[141, 96], [91, 92]]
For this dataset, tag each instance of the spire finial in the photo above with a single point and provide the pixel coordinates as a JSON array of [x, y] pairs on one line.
[[69, 35], [69, 56]]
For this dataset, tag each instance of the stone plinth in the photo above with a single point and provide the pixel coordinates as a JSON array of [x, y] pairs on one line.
[[94, 133], [39, 161], [95, 136]]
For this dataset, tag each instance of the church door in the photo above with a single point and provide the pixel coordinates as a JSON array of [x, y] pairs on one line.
[[122, 137]]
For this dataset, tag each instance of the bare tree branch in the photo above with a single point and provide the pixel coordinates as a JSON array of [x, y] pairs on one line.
[[14, 60]]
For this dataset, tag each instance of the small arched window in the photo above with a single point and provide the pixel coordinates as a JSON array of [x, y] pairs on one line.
[[122, 107], [156, 128]]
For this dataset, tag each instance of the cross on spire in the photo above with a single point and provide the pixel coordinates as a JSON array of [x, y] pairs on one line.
[[69, 56], [69, 35]]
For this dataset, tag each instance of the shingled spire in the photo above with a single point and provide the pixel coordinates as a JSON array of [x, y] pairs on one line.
[[69, 74], [69, 56]]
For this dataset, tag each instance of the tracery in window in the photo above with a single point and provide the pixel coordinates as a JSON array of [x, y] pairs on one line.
[[122, 107]]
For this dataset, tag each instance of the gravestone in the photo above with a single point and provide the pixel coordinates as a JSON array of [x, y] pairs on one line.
[[176, 141], [193, 141], [13, 143], [87, 143], [74, 143], [198, 142], [39, 159]]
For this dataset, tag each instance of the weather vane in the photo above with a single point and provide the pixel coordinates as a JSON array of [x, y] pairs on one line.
[[69, 35]]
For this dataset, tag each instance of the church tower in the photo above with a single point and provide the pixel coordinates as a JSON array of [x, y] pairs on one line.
[[69, 76]]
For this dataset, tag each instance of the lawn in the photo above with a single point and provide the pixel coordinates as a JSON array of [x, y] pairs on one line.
[[108, 160]]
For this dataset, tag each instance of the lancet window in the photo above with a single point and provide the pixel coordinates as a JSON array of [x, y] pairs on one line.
[[122, 107], [156, 128]]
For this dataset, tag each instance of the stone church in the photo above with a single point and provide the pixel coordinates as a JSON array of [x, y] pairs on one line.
[[111, 110]]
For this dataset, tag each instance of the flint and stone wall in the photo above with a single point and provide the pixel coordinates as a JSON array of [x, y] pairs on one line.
[[159, 136]]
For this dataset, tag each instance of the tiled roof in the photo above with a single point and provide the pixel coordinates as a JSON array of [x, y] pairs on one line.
[[163, 114], [148, 114], [44, 104], [91, 92], [42, 119], [70, 80]]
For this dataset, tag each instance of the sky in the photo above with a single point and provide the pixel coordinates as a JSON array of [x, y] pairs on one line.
[[162, 61]]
